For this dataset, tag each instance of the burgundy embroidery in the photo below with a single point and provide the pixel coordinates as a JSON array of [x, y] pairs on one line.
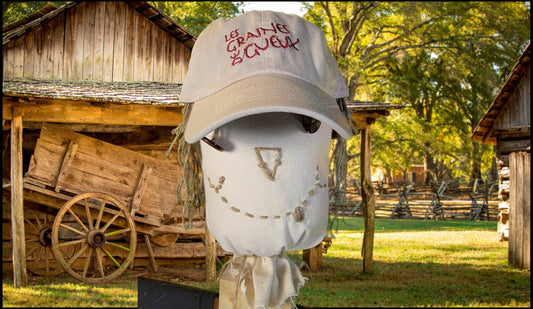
[[253, 43]]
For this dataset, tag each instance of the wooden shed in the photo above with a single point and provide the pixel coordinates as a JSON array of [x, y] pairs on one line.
[[112, 71], [507, 125]]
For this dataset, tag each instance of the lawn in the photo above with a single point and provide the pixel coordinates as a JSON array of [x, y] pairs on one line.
[[416, 264]]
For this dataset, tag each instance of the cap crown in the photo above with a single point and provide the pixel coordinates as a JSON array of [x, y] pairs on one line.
[[260, 43]]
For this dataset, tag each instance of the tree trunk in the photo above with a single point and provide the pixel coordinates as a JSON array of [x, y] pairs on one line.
[[476, 162]]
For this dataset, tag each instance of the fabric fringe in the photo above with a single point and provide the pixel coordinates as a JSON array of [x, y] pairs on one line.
[[190, 190]]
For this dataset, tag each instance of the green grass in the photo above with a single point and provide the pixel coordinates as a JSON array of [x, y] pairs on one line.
[[416, 264]]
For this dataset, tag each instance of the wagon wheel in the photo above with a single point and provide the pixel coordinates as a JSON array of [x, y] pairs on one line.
[[105, 232], [39, 257]]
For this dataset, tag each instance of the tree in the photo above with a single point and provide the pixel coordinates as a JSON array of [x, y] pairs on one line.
[[415, 53], [14, 10], [196, 15]]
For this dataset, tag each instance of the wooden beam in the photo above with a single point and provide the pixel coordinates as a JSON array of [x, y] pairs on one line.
[[368, 201], [18, 236], [210, 256], [79, 111]]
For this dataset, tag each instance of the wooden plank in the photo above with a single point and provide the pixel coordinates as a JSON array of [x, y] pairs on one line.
[[78, 44], [149, 53], [65, 165], [8, 59], [118, 44], [48, 49], [157, 54], [129, 41], [176, 64], [140, 42], [99, 24], [59, 42], [109, 152], [38, 52], [70, 24], [167, 66], [103, 167], [29, 50], [109, 41], [87, 40], [78, 111], [20, 276], [18, 57], [140, 188]]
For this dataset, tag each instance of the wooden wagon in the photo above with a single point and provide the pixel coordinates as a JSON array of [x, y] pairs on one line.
[[86, 201]]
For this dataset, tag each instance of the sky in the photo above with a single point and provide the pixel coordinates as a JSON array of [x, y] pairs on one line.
[[289, 7]]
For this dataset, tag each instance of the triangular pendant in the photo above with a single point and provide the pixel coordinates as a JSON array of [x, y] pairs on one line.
[[269, 160]]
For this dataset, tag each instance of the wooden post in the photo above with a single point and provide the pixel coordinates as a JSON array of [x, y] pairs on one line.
[[210, 256], [368, 201], [313, 257], [18, 237]]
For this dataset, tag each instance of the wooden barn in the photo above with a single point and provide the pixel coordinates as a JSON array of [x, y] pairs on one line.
[[90, 99], [110, 71], [507, 125]]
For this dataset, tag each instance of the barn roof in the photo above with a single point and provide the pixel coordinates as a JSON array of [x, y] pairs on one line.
[[19, 28], [483, 131], [129, 92], [94, 91]]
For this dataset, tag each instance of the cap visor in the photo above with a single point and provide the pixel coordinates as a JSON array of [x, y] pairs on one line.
[[264, 94]]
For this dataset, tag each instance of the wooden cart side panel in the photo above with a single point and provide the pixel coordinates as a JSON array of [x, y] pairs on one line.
[[109, 152], [102, 167]]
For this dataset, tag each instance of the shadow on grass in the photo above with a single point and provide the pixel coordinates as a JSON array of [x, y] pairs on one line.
[[341, 283]]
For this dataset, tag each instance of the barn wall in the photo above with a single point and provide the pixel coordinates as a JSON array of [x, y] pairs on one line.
[[102, 41], [517, 113], [520, 210]]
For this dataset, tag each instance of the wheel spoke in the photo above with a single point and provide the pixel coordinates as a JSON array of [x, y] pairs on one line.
[[70, 228], [32, 225], [118, 246], [37, 219], [46, 263], [111, 257], [88, 211], [77, 255], [100, 214], [45, 220], [87, 262], [99, 265], [74, 242], [39, 254], [78, 219], [111, 221], [32, 249], [117, 232]]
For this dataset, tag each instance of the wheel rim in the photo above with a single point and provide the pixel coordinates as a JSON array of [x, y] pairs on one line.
[[94, 237], [39, 257]]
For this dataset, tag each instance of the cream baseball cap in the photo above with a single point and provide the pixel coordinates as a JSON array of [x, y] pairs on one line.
[[261, 62]]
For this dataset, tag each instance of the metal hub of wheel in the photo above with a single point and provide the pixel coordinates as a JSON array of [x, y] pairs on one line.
[[45, 237], [95, 238]]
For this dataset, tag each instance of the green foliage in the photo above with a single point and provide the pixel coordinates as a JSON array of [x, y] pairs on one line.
[[196, 15], [15, 10], [444, 60]]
